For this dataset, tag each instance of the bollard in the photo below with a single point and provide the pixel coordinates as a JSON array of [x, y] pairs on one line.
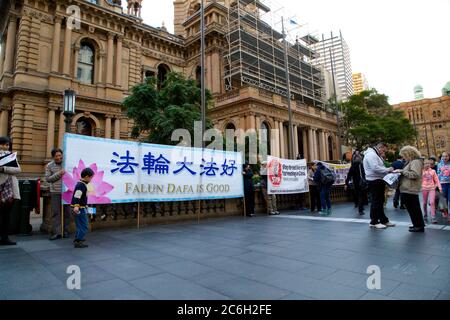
[[25, 208]]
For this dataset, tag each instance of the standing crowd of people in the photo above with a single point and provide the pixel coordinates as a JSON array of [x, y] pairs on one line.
[[417, 176]]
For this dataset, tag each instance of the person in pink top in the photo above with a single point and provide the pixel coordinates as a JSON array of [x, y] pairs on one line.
[[430, 181]]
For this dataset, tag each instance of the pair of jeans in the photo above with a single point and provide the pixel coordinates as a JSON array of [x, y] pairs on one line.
[[429, 194], [315, 199], [81, 222], [412, 204], [446, 192], [325, 196], [377, 196]]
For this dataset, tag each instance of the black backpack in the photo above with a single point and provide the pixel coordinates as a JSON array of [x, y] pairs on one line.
[[327, 176]]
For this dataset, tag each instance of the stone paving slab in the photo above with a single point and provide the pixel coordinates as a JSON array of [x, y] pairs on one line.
[[294, 256]]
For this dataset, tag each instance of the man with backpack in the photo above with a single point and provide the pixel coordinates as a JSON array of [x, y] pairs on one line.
[[324, 178]]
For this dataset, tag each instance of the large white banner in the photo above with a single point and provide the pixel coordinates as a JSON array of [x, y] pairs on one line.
[[286, 176], [127, 171], [341, 171]]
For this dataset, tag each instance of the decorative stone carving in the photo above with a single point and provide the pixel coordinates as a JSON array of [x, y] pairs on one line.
[[38, 15]]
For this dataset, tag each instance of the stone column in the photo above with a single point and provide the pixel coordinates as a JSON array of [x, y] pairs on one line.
[[76, 51], [4, 121], [108, 127], [2, 56], [56, 45], [109, 59], [61, 130], [295, 138], [117, 128], [281, 128], [305, 143], [10, 45], [325, 146], [101, 59], [67, 49], [311, 149], [251, 122], [50, 131], [242, 124], [275, 140], [119, 61]]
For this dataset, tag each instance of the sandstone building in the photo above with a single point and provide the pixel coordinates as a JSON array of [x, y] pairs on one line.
[[431, 118], [112, 49]]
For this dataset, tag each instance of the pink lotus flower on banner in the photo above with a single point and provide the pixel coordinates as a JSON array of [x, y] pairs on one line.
[[97, 188]]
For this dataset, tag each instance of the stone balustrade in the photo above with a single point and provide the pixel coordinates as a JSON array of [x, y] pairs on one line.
[[126, 215]]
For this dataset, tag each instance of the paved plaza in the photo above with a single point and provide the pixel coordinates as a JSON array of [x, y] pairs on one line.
[[294, 256]]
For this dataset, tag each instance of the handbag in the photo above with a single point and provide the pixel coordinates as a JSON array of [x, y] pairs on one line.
[[6, 191], [363, 185], [443, 206]]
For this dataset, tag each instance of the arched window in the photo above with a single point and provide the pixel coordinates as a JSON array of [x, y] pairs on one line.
[[148, 74], [163, 70], [265, 133], [439, 113], [85, 127], [434, 114], [85, 73]]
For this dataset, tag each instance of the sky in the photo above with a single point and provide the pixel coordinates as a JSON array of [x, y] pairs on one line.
[[397, 44]]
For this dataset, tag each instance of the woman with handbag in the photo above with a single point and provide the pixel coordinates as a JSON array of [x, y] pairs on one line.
[[411, 185], [9, 191]]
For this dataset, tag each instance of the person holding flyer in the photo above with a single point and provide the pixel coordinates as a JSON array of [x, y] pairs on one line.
[[9, 190], [410, 186], [375, 172]]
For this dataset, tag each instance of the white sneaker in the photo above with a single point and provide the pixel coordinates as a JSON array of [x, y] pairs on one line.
[[389, 224], [378, 226]]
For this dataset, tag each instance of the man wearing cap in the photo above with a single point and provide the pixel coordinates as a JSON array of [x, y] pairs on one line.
[[271, 199]]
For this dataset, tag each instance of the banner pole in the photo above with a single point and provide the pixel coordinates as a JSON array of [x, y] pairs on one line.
[[62, 219], [198, 212], [138, 214], [245, 207]]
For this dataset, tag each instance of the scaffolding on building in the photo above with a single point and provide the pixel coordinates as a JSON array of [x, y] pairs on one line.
[[255, 55]]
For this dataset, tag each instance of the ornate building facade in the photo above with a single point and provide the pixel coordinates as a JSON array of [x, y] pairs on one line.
[[431, 118], [45, 50]]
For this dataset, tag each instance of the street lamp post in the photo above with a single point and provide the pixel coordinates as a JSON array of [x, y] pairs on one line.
[[202, 68], [69, 107]]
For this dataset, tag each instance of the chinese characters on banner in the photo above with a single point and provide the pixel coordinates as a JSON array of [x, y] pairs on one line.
[[341, 171], [127, 171], [286, 176]]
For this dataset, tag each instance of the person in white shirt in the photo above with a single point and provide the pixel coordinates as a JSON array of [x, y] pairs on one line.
[[375, 171]]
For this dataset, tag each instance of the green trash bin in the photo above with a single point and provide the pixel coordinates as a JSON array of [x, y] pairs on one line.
[[20, 214]]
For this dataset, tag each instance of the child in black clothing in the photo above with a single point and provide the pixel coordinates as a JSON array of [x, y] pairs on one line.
[[79, 204]]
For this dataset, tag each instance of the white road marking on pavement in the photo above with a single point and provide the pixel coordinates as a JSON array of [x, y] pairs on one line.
[[398, 223]]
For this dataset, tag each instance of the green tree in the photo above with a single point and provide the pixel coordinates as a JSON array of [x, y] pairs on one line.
[[158, 112], [369, 118]]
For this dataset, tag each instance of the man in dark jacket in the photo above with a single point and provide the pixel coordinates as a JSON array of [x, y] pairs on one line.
[[398, 165], [249, 191], [355, 173]]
